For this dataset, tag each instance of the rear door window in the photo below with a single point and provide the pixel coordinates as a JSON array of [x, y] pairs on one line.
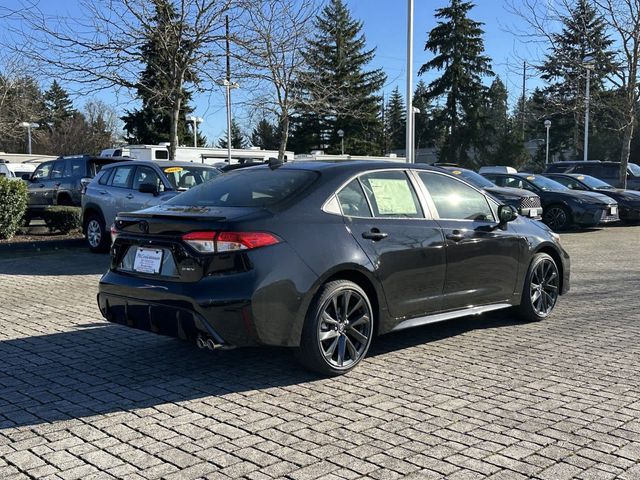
[[74, 167], [253, 187], [122, 177], [391, 195], [58, 169]]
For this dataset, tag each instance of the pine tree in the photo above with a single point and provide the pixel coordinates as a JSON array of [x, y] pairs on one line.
[[237, 138], [265, 135], [339, 93], [458, 47], [424, 130], [583, 35], [395, 119], [57, 105], [151, 124]]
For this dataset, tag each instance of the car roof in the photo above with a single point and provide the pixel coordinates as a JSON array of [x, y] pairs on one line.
[[159, 163], [352, 165]]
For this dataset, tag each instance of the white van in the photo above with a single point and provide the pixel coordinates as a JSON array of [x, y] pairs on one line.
[[15, 171]]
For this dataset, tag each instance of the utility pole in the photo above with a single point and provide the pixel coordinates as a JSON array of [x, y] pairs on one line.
[[524, 99], [228, 89], [409, 132]]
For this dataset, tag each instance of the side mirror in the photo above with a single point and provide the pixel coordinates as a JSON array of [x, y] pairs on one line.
[[506, 214], [148, 188]]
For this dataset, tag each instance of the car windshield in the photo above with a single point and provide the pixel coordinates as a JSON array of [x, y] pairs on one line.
[[248, 187], [184, 178], [545, 183], [593, 182], [473, 178], [635, 169]]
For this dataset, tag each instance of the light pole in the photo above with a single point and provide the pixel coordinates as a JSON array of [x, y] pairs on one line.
[[589, 65], [228, 85], [547, 125], [341, 135], [29, 126], [195, 120], [414, 110], [409, 132]]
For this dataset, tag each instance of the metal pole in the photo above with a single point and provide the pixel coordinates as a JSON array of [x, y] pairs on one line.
[[195, 132], [228, 86], [342, 139], [546, 162], [586, 117], [29, 136], [409, 132], [524, 99]]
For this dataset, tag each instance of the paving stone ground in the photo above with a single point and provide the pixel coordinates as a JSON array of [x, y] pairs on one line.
[[474, 398]]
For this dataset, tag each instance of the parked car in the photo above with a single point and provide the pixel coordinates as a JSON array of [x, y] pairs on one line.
[[323, 256], [628, 200], [133, 185], [562, 207], [61, 181], [608, 172], [15, 171], [526, 202]]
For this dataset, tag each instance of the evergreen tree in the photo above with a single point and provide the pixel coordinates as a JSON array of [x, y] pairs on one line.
[[395, 120], [424, 129], [458, 47], [265, 135], [583, 35], [151, 124], [57, 105], [339, 93], [237, 138]]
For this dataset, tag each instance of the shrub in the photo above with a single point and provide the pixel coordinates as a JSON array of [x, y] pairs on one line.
[[62, 218], [13, 205]]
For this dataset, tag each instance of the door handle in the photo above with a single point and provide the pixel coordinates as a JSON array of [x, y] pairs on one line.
[[374, 234], [455, 235], [130, 196], [103, 192]]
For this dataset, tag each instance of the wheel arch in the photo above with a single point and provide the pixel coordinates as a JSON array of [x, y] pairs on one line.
[[553, 253], [88, 210]]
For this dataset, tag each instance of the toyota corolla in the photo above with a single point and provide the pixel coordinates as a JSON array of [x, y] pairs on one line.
[[322, 257]]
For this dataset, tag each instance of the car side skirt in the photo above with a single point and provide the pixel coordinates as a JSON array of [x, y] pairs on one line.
[[441, 317]]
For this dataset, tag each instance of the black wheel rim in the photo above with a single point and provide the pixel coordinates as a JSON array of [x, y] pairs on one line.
[[544, 287], [344, 329], [556, 218]]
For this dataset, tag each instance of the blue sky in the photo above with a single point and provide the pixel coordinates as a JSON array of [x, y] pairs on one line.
[[385, 28]]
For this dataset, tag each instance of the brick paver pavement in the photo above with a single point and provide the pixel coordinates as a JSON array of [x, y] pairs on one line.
[[474, 398]]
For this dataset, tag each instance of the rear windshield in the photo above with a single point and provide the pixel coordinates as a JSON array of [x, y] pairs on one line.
[[635, 169], [250, 187]]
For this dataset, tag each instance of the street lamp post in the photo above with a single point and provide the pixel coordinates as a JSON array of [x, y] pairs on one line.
[[228, 86], [341, 135], [414, 110], [547, 125], [589, 64], [29, 126], [409, 132], [195, 120]]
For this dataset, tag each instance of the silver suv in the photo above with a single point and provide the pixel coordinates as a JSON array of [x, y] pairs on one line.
[[130, 186]]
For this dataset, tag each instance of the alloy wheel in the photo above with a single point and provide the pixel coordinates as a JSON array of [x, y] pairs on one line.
[[94, 233], [344, 328], [556, 218], [544, 287]]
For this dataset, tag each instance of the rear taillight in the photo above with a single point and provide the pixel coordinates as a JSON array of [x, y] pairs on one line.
[[214, 242], [114, 233]]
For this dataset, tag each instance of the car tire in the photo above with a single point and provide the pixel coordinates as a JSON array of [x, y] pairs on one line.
[[557, 217], [95, 232], [540, 290], [338, 329]]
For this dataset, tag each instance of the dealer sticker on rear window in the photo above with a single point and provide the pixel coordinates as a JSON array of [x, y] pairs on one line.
[[531, 177], [456, 172], [173, 169]]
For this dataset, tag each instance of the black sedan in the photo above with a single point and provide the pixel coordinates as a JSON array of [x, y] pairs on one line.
[[526, 202], [628, 200], [324, 256], [561, 206]]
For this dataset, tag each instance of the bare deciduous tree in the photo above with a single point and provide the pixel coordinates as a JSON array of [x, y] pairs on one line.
[[270, 40], [102, 47]]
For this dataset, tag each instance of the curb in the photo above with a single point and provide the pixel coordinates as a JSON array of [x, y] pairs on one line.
[[40, 246]]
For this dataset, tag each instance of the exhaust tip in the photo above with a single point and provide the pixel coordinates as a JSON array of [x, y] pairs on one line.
[[201, 342], [211, 345]]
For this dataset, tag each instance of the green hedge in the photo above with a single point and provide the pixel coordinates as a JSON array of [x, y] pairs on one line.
[[13, 205], [62, 218]]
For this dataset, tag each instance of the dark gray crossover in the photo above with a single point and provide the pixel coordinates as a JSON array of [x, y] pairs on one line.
[[323, 256]]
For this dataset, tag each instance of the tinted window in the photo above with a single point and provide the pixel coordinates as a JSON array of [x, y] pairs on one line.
[[161, 155], [147, 175], [104, 178], [43, 171], [253, 187], [183, 178], [454, 200], [634, 169], [74, 167], [544, 183], [569, 182], [122, 176], [352, 200], [473, 178], [593, 182], [391, 194], [58, 169]]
